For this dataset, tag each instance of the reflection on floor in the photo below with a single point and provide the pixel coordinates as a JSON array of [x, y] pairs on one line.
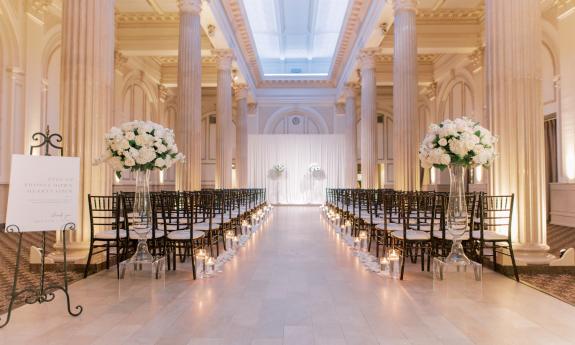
[[296, 283]]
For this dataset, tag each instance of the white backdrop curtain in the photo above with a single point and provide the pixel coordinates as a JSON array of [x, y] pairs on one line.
[[296, 185]]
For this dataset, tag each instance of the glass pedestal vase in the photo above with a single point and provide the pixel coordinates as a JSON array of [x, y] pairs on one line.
[[141, 218], [457, 218]]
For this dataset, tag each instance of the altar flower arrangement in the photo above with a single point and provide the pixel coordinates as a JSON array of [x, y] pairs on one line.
[[457, 142], [314, 167], [140, 146], [279, 168]]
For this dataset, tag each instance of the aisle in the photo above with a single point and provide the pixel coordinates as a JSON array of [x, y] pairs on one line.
[[295, 283]]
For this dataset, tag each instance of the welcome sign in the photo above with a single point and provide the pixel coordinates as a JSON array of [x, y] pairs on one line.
[[44, 192]]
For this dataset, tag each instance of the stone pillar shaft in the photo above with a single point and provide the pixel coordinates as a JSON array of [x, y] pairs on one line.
[[405, 140], [87, 98], [224, 120], [242, 137], [514, 103], [189, 115], [369, 178], [350, 136]]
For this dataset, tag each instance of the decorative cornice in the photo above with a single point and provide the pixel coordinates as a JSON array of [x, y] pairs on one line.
[[459, 15], [147, 18], [297, 83], [224, 58], [173, 60], [190, 6], [37, 8], [422, 59]]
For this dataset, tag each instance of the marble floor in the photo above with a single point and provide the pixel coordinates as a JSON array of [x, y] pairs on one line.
[[296, 283]]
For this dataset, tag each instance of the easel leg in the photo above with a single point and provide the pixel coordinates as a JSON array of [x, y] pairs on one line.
[[13, 294]]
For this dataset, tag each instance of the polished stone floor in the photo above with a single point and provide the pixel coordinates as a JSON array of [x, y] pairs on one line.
[[296, 283]]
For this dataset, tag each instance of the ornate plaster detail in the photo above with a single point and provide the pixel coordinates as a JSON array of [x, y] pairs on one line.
[[340, 108], [119, 60], [351, 90], [431, 90], [224, 58], [162, 93], [190, 6], [564, 7], [173, 60], [211, 30], [405, 5], [477, 58], [37, 8], [367, 57], [241, 91], [252, 108]]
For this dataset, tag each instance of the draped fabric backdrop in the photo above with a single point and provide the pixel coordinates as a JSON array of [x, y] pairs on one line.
[[296, 185]]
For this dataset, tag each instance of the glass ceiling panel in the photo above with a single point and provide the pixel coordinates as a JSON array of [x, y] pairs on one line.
[[296, 37]]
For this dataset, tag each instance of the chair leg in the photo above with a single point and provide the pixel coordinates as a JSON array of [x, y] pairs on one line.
[[494, 256], [193, 260], [403, 254], [89, 259], [422, 247], [513, 261], [108, 255], [118, 256]]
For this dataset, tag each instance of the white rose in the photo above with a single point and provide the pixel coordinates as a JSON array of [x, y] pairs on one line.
[[124, 144], [445, 159], [160, 163], [129, 162], [116, 164], [442, 142], [458, 147], [130, 135]]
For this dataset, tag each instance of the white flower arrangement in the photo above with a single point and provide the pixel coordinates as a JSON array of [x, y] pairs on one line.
[[314, 167], [457, 142], [140, 146], [279, 168]]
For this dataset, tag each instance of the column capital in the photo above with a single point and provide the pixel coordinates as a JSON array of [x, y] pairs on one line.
[[350, 90], [224, 58], [367, 58], [405, 5], [241, 91], [190, 6]]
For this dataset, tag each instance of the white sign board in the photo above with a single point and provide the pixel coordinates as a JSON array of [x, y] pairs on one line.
[[44, 192]]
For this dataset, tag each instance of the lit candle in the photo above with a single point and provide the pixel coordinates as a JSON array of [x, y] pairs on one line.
[[210, 265], [201, 262], [393, 263], [363, 239], [384, 264], [229, 235], [356, 243]]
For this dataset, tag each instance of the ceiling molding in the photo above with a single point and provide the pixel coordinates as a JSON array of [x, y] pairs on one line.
[[422, 59], [450, 16], [357, 11], [147, 18]]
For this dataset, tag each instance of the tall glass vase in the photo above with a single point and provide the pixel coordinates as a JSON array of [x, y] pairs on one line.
[[141, 217], [457, 220]]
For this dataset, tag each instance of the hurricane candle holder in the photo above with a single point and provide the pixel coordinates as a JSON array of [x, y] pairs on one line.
[[235, 241], [393, 258], [210, 266], [347, 227], [384, 265], [356, 243], [363, 240], [229, 236], [201, 263]]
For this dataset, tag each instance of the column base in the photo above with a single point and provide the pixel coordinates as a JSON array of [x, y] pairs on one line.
[[533, 254]]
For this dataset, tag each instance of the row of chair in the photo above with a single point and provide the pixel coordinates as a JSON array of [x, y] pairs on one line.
[[181, 223], [415, 223]]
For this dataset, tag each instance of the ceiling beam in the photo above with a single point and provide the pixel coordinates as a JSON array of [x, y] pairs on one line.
[[280, 27]]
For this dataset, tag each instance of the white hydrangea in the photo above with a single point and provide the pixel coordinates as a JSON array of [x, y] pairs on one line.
[[140, 145], [457, 142]]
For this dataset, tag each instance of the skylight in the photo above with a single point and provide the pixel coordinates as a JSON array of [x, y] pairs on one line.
[[296, 37]]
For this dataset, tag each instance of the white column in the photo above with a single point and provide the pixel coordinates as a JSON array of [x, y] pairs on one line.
[[514, 103], [224, 119], [350, 132], [242, 136], [369, 176], [405, 140], [189, 116], [87, 98]]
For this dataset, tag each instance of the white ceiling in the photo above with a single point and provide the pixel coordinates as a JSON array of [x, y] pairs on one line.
[[295, 37]]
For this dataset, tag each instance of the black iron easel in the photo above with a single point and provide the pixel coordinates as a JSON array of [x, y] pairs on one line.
[[45, 293]]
